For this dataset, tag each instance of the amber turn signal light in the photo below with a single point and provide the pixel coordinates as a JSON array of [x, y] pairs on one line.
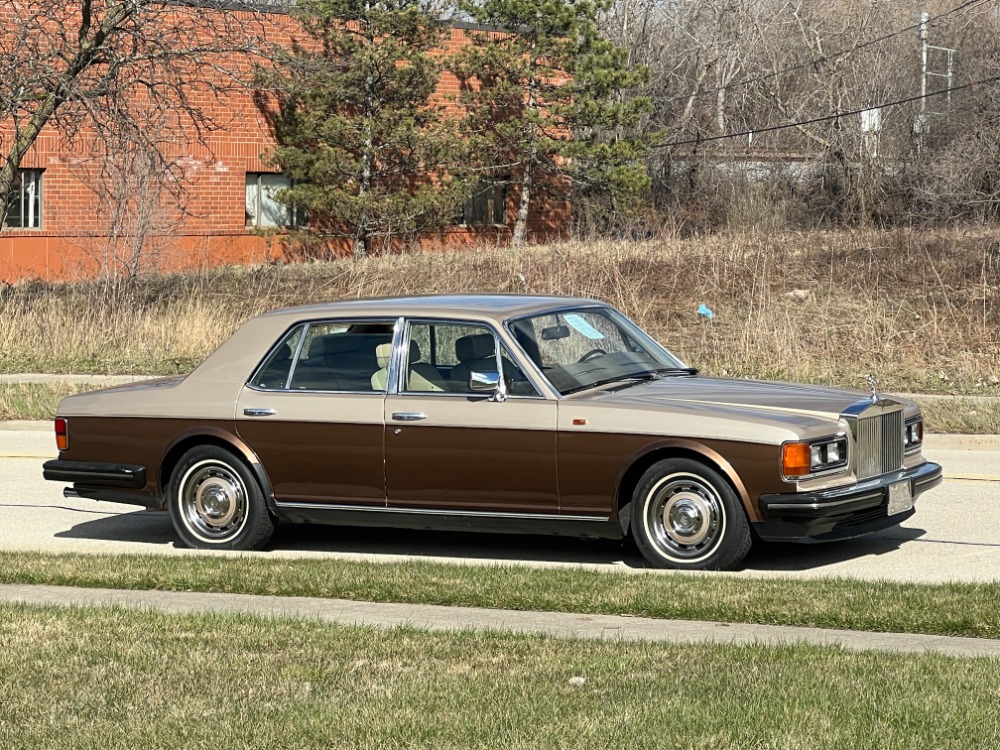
[[795, 459], [62, 434]]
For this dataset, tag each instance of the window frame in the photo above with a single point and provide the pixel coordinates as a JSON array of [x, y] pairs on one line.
[[34, 205], [294, 214], [493, 183]]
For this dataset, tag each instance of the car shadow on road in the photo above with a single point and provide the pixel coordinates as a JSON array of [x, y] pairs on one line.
[[777, 557], [142, 526], [154, 528]]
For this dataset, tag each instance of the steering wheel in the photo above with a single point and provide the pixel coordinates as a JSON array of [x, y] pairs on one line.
[[592, 354]]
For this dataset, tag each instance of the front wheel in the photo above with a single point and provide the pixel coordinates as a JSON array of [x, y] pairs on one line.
[[217, 503], [686, 516]]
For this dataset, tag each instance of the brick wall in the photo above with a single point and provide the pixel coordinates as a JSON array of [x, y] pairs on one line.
[[206, 227]]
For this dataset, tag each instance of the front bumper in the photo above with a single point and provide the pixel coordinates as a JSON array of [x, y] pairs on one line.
[[841, 512]]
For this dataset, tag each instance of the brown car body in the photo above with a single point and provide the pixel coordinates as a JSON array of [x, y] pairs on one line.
[[540, 460]]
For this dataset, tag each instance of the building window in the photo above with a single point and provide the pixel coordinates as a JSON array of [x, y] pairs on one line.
[[24, 202], [488, 204], [263, 208]]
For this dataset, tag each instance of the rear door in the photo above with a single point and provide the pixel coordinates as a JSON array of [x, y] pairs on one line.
[[314, 417]]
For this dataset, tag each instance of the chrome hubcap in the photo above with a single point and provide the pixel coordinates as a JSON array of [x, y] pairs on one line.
[[685, 516], [213, 501]]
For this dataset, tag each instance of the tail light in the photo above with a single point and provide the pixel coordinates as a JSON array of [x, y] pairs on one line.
[[62, 434]]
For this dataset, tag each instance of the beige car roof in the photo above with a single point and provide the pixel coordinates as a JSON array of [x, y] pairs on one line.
[[493, 307]]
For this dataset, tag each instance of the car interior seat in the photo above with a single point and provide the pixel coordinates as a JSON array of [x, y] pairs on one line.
[[421, 376], [475, 352]]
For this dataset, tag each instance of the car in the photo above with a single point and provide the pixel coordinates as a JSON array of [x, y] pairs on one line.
[[500, 413]]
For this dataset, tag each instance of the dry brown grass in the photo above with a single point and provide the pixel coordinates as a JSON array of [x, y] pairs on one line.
[[919, 309]]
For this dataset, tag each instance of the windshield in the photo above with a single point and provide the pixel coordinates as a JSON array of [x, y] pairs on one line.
[[592, 346]]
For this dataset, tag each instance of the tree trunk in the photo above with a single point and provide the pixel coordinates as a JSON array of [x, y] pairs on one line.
[[362, 229], [520, 231]]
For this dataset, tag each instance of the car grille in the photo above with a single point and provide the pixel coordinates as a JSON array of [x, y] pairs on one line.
[[879, 444]]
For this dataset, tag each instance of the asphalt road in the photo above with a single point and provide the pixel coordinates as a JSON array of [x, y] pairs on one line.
[[954, 536]]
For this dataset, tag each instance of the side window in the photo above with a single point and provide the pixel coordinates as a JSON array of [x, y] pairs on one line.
[[443, 355], [343, 356], [273, 375], [428, 367]]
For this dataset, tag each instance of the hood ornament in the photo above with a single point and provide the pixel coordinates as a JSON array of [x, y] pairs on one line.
[[873, 384]]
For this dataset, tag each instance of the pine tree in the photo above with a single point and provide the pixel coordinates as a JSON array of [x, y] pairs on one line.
[[548, 101], [369, 151]]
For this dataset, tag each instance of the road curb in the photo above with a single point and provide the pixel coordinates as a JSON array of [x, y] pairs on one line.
[[442, 618]]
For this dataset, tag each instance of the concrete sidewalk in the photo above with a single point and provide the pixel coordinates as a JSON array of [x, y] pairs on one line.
[[556, 624]]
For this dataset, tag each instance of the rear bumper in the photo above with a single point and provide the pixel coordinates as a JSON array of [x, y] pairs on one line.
[[94, 480], [841, 512], [95, 474]]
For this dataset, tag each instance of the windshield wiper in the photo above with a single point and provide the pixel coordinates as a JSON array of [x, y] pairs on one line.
[[652, 375], [627, 381]]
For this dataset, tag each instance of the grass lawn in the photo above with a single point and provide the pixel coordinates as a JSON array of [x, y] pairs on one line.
[[35, 400], [109, 678], [919, 309], [945, 609]]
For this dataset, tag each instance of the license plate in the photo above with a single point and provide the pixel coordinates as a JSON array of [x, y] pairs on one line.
[[900, 498]]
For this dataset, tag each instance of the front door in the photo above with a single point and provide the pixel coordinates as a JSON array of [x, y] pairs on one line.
[[449, 449]]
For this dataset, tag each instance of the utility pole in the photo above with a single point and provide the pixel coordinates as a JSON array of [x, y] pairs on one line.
[[921, 125]]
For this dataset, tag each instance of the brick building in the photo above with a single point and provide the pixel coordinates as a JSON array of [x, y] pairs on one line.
[[64, 223]]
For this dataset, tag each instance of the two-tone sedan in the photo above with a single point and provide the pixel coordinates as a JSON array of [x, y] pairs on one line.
[[491, 413]]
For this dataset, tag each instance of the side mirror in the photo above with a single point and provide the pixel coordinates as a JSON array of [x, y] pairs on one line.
[[488, 381]]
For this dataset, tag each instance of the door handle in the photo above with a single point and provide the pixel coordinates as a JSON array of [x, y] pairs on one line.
[[260, 412], [408, 416]]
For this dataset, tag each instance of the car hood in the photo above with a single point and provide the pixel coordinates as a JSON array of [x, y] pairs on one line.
[[755, 395]]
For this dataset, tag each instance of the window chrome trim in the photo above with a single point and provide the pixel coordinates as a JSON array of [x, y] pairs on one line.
[[306, 325], [440, 512], [395, 357], [468, 323]]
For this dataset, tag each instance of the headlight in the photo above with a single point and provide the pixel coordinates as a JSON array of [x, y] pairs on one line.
[[913, 435], [807, 458]]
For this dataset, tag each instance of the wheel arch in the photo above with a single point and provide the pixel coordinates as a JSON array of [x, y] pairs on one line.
[[629, 479], [221, 439]]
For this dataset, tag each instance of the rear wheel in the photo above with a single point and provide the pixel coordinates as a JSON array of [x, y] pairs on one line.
[[686, 516], [217, 503]]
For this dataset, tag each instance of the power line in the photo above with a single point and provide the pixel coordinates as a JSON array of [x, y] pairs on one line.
[[825, 58], [826, 118]]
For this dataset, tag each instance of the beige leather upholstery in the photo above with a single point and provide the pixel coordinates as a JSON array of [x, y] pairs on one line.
[[383, 353], [477, 352], [422, 376]]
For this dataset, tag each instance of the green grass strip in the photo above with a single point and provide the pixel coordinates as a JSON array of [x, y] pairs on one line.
[[105, 679], [960, 609]]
